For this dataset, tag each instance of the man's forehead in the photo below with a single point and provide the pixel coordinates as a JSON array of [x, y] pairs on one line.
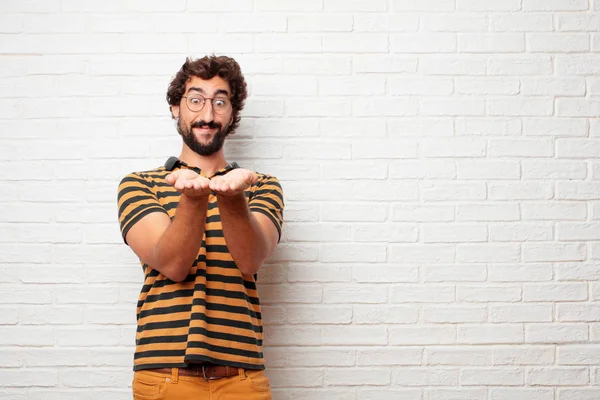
[[207, 86]]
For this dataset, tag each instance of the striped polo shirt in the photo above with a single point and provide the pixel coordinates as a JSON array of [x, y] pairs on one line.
[[214, 314]]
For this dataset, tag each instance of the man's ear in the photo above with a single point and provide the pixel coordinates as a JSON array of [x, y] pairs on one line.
[[174, 112]]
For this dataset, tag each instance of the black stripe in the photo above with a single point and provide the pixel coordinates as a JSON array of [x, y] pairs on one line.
[[130, 224], [150, 326], [225, 350], [228, 322], [225, 336], [275, 221], [231, 295], [272, 202], [230, 279], [167, 193], [217, 248], [162, 339], [132, 179], [126, 190], [165, 310], [221, 263], [170, 295], [139, 208], [233, 310], [159, 353], [134, 199], [213, 218], [210, 233]]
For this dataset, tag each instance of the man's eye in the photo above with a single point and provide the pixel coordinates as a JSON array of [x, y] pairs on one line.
[[195, 100]]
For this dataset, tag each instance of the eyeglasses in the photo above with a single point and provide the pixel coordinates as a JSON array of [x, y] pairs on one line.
[[220, 105]]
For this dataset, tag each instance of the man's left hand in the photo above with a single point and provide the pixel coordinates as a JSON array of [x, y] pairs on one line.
[[233, 183]]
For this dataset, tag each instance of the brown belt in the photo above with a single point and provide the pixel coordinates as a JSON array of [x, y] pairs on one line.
[[208, 372]]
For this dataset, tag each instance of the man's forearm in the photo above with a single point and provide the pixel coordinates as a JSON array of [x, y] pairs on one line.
[[245, 240], [178, 246]]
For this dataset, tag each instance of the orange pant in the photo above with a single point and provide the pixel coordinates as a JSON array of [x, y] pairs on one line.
[[247, 385]]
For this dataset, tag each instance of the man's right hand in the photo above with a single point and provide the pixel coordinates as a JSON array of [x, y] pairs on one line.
[[188, 182]]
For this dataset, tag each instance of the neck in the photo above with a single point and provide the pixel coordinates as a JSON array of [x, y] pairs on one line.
[[208, 164]]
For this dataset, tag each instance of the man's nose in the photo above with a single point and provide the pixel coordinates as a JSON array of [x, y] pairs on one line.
[[207, 113]]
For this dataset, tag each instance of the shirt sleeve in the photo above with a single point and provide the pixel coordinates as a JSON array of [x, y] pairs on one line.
[[267, 199], [135, 200]]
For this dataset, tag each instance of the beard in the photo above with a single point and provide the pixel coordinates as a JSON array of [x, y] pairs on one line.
[[194, 144]]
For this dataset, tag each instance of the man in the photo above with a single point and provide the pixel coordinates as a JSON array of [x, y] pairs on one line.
[[201, 227]]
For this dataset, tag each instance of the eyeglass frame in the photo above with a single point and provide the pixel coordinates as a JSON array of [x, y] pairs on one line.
[[212, 99]]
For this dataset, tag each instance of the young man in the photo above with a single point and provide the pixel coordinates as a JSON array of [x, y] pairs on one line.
[[201, 227]]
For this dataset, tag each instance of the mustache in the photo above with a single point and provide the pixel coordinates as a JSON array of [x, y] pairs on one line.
[[203, 124]]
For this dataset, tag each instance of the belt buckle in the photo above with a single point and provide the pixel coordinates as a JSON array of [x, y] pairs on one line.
[[207, 378]]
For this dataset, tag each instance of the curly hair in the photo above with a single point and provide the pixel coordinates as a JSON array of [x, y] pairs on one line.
[[207, 68]]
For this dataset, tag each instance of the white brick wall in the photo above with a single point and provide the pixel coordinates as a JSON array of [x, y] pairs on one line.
[[440, 160]]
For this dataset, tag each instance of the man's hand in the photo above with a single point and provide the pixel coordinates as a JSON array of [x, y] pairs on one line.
[[188, 182], [233, 183]]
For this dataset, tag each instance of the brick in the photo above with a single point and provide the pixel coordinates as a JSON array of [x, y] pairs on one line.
[[375, 63], [318, 314], [389, 233], [577, 190], [453, 233], [531, 190], [296, 377], [49, 315], [487, 5], [516, 65], [578, 394], [487, 86], [384, 148], [578, 65], [524, 107], [319, 357], [358, 377], [578, 312], [476, 169], [286, 43], [578, 355], [317, 232], [354, 335], [281, 85], [353, 85], [520, 273], [389, 356], [423, 43], [577, 272], [488, 294], [558, 376], [297, 293], [426, 5], [353, 128], [521, 313], [523, 355], [434, 169], [410, 376], [553, 169], [384, 315], [430, 253], [273, 5], [256, 23], [381, 191], [455, 147], [454, 394], [492, 253], [319, 151], [491, 43], [384, 273], [487, 212], [453, 314], [314, 65], [422, 294], [369, 22], [317, 108], [553, 87], [557, 292], [355, 6], [521, 22], [352, 253], [577, 231], [411, 86], [555, 5], [354, 294], [490, 334], [562, 43], [379, 107], [553, 211], [452, 107], [355, 43], [570, 127], [573, 22], [29, 378], [457, 355], [353, 213], [491, 377], [577, 148], [424, 213], [577, 107], [521, 394], [521, 232], [459, 22], [452, 65]]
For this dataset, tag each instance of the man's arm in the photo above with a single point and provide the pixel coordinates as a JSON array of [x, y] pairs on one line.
[[251, 237], [171, 247]]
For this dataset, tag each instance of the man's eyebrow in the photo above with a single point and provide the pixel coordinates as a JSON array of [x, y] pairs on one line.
[[201, 91]]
